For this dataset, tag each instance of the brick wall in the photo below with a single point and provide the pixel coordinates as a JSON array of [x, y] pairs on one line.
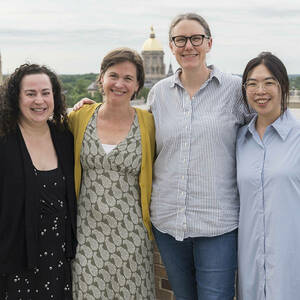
[[162, 285]]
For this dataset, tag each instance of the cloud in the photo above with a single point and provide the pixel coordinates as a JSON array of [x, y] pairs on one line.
[[72, 36]]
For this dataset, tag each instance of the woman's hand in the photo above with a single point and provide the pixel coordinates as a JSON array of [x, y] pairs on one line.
[[81, 102]]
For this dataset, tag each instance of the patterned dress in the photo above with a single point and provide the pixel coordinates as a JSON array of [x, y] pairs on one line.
[[52, 278], [114, 256]]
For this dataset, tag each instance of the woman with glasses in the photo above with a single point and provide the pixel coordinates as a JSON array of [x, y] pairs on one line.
[[268, 176], [194, 202]]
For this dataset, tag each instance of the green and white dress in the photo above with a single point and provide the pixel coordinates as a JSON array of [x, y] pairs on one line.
[[114, 257]]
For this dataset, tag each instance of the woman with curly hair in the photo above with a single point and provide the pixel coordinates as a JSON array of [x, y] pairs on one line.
[[37, 195]]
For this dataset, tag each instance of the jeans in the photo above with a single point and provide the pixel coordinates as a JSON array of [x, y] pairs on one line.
[[201, 268]]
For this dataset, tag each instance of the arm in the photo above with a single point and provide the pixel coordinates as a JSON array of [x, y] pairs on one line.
[[81, 102]]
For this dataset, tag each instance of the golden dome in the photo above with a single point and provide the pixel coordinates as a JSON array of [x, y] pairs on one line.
[[152, 44]]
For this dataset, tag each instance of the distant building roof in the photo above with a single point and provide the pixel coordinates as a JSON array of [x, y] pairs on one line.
[[93, 86]]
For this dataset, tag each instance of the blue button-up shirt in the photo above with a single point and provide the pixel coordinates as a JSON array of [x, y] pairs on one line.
[[268, 174], [194, 185]]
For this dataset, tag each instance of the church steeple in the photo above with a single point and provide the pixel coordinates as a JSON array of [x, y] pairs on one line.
[[152, 34], [1, 76], [170, 72]]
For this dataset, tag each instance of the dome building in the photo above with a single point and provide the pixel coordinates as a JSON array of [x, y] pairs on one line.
[[153, 56]]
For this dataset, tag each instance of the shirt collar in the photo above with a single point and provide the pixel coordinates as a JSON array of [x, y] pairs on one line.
[[281, 125], [251, 125], [284, 124], [215, 73]]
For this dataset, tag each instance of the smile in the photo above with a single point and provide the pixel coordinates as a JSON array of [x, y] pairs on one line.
[[189, 55], [262, 101], [38, 109], [120, 93]]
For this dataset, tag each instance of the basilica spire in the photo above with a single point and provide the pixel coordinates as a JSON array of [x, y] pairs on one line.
[[1, 76]]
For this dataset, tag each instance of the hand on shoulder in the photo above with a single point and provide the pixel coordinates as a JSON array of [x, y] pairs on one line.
[[81, 102]]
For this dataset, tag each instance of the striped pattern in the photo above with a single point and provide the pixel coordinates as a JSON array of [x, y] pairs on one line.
[[194, 184]]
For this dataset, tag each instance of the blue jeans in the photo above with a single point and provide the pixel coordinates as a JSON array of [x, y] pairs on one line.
[[201, 268]]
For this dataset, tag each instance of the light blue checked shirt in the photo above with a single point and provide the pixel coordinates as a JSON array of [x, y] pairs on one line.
[[194, 185]]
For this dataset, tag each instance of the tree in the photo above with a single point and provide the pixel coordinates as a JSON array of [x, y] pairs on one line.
[[144, 93], [75, 87]]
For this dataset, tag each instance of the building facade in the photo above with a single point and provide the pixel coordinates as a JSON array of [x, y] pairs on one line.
[[93, 88]]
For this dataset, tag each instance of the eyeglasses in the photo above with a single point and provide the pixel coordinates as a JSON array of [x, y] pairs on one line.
[[196, 40], [252, 86]]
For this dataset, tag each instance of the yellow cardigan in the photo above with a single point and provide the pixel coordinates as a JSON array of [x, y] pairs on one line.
[[78, 121]]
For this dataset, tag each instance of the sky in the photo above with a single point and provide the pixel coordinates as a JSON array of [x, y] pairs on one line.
[[72, 36]]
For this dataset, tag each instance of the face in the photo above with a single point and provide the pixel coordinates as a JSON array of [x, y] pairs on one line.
[[36, 101], [190, 56], [266, 98], [119, 82]]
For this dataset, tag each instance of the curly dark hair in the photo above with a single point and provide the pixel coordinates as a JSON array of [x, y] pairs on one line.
[[9, 98]]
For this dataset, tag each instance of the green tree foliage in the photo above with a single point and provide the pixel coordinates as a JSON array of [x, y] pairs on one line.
[[75, 87], [143, 93]]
